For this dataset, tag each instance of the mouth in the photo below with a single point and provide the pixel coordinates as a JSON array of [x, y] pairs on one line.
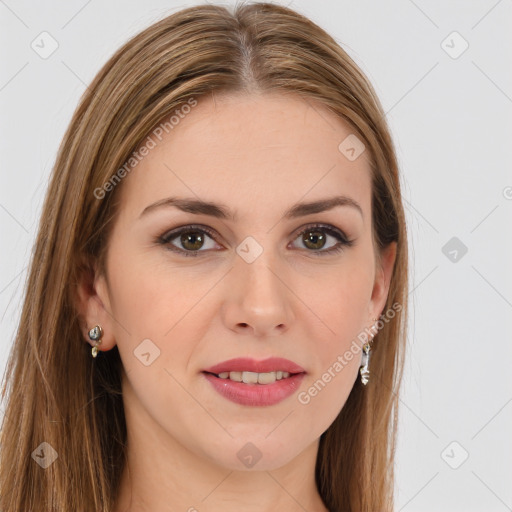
[[248, 377], [252, 382]]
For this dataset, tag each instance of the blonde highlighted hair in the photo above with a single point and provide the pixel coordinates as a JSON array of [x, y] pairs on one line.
[[54, 392]]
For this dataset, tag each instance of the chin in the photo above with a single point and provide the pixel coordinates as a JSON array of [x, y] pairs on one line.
[[250, 453]]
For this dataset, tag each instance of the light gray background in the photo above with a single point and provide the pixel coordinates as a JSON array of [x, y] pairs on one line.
[[451, 120]]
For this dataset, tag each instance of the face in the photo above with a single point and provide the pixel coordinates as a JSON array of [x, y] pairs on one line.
[[186, 289]]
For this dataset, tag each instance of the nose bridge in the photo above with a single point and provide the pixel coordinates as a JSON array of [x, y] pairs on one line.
[[258, 296], [256, 272]]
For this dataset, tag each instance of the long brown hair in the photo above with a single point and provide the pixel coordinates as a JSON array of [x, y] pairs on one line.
[[55, 392]]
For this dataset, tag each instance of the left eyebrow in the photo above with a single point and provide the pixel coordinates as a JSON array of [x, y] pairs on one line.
[[220, 211]]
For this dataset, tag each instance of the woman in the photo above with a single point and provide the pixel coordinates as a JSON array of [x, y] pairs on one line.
[[216, 306]]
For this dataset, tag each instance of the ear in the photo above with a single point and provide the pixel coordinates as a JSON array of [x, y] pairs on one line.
[[383, 274], [93, 306]]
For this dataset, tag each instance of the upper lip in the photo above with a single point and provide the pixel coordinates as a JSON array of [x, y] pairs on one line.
[[246, 364]]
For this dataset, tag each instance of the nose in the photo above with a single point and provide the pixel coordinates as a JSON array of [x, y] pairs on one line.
[[258, 301]]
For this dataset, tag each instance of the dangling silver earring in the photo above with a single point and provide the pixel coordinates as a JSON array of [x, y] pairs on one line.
[[95, 334], [364, 370]]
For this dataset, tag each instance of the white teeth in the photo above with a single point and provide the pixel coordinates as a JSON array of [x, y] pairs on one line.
[[266, 378], [250, 377], [253, 377], [236, 376]]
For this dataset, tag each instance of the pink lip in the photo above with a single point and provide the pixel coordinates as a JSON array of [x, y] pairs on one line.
[[245, 364], [255, 394]]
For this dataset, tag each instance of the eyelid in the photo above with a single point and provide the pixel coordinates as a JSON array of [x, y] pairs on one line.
[[201, 227], [173, 233], [320, 225]]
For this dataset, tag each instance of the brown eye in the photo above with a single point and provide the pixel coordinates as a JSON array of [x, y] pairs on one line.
[[189, 240], [314, 239], [192, 240]]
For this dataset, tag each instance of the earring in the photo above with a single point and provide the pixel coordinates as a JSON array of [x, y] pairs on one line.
[[364, 369], [95, 334]]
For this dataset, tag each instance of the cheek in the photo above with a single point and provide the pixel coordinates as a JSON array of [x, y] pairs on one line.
[[341, 300], [154, 309], [155, 329], [337, 348], [149, 295], [341, 303]]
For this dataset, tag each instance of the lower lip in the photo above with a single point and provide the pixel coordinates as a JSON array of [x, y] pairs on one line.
[[255, 394]]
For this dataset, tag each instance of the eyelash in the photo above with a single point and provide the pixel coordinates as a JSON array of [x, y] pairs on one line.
[[166, 238]]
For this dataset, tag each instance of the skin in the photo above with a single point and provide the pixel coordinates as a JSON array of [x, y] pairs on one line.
[[258, 155]]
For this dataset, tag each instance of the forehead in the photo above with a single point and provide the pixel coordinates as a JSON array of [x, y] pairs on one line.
[[256, 153]]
